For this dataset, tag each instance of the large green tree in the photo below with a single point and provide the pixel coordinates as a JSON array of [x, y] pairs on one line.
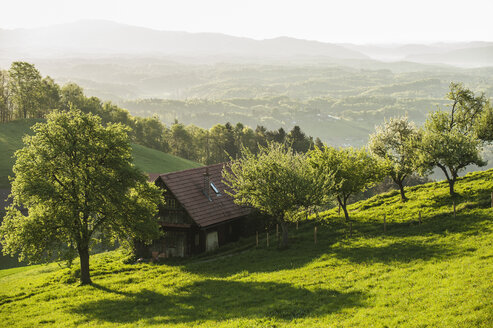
[[50, 96], [221, 143], [351, 170], [76, 179], [447, 148], [451, 139], [179, 139], [5, 110], [26, 88], [298, 140], [276, 180], [395, 141]]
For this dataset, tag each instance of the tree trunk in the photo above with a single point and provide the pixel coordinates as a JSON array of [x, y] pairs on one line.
[[343, 205], [284, 228], [451, 183], [85, 277], [346, 214], [401, 189], [450, 178]]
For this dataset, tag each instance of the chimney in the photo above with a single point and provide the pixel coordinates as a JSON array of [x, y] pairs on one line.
[[207, 183]]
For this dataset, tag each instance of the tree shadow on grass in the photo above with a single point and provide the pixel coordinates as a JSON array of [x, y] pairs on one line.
[[300, 252], [470, 219], [302, 249], [475, 198], [467, 222], [403, 252], [217, 300], [446, 200]]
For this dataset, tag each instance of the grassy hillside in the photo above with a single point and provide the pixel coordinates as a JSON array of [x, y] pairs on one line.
[[10, 140], [154, 161], [149, 160], [437, 274]]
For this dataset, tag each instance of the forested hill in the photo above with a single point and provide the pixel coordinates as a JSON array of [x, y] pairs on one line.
[[340, 104], [355, 102]]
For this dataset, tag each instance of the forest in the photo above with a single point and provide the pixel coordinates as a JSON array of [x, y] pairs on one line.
[[25, 94], [339, 101], [215, 108]]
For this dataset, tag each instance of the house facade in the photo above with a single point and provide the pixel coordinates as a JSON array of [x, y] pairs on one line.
[[198, 215]]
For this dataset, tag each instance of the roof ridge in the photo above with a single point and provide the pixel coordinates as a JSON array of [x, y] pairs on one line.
[[194, 169]]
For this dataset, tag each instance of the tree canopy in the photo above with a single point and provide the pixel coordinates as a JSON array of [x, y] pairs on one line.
[[450, 139], [395, 141], [351, 170], [76, 179], [276, 180]]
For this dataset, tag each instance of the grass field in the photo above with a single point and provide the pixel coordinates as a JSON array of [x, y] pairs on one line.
[[437, 274]]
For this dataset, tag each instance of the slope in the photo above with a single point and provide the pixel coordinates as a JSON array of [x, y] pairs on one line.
[[437, 274]]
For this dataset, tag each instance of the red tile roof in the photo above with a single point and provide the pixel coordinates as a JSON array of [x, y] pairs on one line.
[[187, 187]]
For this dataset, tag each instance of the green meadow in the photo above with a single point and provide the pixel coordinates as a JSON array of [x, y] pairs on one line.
[[435, 274]]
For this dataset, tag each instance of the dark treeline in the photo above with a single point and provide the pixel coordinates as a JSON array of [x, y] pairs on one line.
[[24, 93]]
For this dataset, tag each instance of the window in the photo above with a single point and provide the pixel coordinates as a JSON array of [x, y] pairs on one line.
[[213, 186], [171, 203]]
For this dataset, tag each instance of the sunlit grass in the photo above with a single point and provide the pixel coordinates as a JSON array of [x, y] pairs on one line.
[[437, 274]]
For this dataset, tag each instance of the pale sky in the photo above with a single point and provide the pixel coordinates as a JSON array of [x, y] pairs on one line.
[[355, 21]]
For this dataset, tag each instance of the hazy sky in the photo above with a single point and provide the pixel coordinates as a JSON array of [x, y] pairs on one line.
[[356, 21]]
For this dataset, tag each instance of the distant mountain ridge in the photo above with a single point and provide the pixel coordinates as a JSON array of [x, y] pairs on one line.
[[471, 54], [93, 38], [476, 56], [103, 37]]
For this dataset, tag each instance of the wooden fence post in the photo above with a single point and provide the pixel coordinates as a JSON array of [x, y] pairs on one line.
[[267, 239], [296, 225], [454, 208], [277, 232], [315, 234], [257, 238], [385, 223]]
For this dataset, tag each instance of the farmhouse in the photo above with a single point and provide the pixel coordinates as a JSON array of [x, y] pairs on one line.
[[198, 216]]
